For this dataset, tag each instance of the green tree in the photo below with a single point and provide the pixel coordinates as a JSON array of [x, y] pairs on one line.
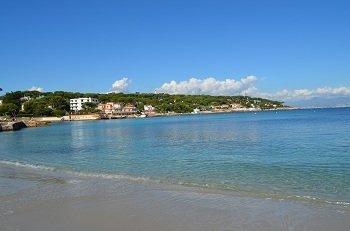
[[13, 97], [89, 106], [9, 109], [37, 108], [58, 113], [57, 102]]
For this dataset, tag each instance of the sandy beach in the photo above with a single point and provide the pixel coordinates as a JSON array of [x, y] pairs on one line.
[[38, 200]]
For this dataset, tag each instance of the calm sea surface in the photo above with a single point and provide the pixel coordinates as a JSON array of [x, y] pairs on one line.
[[301, 155]]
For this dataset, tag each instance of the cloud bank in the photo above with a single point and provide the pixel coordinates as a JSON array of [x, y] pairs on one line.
[[121, 85], [34, 88], [247, 86], [306, 94], [210, 86]]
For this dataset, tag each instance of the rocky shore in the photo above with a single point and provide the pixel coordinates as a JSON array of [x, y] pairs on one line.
[[17, 125]]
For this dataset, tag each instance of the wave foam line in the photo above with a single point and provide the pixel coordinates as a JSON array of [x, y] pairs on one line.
[[316, 199], [110, 176], [79, 174], [30, 166], [146, 179]]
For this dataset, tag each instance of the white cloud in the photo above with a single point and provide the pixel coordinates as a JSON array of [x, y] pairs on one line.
[[34, 88], [247, 86], [121, 85], [305, 94], [210, 86]]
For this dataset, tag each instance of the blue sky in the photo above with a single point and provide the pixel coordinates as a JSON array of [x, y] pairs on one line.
[[88, 45]]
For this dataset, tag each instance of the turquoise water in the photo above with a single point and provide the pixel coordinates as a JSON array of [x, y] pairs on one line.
[[302, 154]]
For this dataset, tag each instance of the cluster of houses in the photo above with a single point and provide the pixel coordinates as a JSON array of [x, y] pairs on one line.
[[109, 108]]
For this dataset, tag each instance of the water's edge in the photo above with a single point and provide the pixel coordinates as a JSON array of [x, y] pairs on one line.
[[67, 176]]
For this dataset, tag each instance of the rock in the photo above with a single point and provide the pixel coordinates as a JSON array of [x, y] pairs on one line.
[[34, 123], [18, 125], [14, 126]]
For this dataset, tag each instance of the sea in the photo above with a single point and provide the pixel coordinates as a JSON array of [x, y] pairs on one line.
[[292, 155]]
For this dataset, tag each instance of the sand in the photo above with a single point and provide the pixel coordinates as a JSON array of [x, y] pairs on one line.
[[35, 200]]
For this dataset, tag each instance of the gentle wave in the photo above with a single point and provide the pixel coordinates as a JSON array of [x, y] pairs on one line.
[[78, 174], [30, 166], [148, 180], [110, 176], [266, 195], [319, 200]]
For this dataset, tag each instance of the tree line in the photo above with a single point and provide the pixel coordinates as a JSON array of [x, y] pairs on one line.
[[58, 103]]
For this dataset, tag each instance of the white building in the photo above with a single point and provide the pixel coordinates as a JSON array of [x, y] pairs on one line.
[[25, 98], [1, 101], [148, 108], [77, 104]]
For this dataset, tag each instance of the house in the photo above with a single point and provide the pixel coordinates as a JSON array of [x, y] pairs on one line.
[[77, 104], [149, 108], [25, 98], [129, 108], [110, 108], [224, 106], [235, 105], [1, 101], [106, 108], [221, 107]]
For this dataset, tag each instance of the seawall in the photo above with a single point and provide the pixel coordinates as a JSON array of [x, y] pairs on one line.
[[81, 117]]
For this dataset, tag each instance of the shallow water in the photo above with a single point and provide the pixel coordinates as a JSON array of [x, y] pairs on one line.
[[39, 200], [297, 155], [286, 170]]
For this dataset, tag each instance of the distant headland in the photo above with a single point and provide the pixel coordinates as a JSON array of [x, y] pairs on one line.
[[63, 106]]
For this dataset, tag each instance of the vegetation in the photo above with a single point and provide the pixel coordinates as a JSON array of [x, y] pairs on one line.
[[57, 103], [89, 107], [9, 109]]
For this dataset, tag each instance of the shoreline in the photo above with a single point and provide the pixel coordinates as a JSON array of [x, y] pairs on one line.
[[98, 117], [178, 186], [45, 121], [37, 200], [30, 122]]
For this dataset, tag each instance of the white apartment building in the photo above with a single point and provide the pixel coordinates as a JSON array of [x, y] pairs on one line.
[[77, 104]]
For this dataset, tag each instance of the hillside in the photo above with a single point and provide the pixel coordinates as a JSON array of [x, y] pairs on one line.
[[56, 103]]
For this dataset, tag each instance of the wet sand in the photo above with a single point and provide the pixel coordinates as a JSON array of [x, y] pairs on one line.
[[35, 200]]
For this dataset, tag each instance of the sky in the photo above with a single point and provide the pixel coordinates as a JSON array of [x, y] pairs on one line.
[[286, 50]]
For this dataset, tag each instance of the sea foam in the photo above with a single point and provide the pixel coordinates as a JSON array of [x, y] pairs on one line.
[[78, 174]]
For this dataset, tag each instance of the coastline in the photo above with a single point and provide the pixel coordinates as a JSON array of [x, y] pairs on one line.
[[30, 122], [37, 199], [94, 116], [68, 175]]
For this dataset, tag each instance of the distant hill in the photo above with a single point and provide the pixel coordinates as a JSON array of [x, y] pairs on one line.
[[35, 103]]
